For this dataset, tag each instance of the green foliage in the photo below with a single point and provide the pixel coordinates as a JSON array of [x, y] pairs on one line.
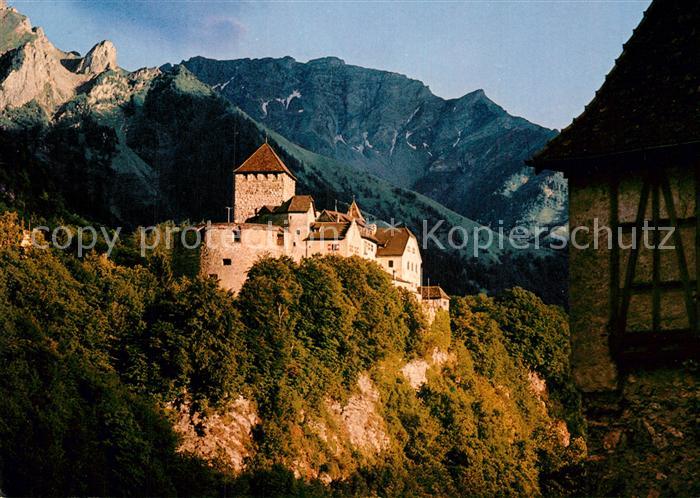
[[82, 352], [92, 352], [535, 333]]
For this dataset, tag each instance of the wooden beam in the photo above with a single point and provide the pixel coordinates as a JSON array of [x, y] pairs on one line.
[[632, 260], [665, 285], [697, 247], [682, 263], [690, 222], [656, 255], [614, 253], [644, 350]]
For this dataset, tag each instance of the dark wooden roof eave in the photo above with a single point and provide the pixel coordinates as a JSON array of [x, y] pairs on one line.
[[650, 98], [681, 154]]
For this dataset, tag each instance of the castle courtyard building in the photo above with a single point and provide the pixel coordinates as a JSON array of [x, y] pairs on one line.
[[270, 219]]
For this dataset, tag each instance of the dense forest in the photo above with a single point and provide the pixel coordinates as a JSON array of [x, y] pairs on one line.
[[97, 354]]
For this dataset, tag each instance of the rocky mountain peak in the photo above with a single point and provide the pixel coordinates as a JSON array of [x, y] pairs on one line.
[[15, 29], [33, 72], [329, 61], [100, 58], [466, 153]]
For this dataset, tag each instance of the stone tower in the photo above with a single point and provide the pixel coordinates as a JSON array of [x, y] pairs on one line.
[[262, 180]]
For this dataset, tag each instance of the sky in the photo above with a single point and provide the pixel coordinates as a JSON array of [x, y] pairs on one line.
[[539, 59]]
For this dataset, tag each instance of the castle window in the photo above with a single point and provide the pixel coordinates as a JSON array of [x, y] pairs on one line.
[[298, 232], [236, 235], [227, 261], [391, 263], [280, 239]]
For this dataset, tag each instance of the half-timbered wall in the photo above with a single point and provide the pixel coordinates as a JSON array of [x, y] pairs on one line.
[[631, 305]]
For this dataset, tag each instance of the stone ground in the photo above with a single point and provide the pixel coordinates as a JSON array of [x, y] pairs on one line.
[[645, 440]]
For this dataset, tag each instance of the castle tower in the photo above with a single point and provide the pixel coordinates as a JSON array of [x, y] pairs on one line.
[[262, 180], [354, 211]]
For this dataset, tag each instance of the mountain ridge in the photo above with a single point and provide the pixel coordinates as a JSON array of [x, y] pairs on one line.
[[136, 148], [468, 152]]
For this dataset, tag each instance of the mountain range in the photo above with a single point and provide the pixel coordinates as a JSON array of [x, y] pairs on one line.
[[78, 134], [467, 153]]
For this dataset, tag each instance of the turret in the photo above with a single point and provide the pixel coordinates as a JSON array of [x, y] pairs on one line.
[[262, 180]]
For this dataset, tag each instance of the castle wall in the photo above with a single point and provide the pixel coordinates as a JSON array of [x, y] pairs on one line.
[[406, 267], [229, 260], [298, 225], [251, 191]]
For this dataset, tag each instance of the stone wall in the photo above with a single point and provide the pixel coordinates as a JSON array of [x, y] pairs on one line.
[[590, 269], [589, 286], [642, 424], [645, 440], [251, 191], [229, 261]]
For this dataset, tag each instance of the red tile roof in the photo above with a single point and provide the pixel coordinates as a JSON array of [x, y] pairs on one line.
[[650, 100], [328, 231], [328, 215], [297, 204], [264, 160], [432, 292], [392, 241], [354, 211]]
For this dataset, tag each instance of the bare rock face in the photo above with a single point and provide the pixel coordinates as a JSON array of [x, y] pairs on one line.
[[15, 29], [35, 73], [35, 70], [100, 58], [362, 420], [225, 437]]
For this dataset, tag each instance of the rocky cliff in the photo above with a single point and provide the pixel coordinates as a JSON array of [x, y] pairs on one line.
[[338, 439]]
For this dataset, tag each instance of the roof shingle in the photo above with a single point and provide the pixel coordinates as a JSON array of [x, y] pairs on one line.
[[392, 241], [650, 99], [432, 292], [328, 231], [297, 204], [264, 160]]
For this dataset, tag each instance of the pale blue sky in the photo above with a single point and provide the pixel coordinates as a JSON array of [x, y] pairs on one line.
[[542, 60]]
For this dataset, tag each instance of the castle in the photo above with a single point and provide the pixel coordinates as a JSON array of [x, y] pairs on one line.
[[269, 219]]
